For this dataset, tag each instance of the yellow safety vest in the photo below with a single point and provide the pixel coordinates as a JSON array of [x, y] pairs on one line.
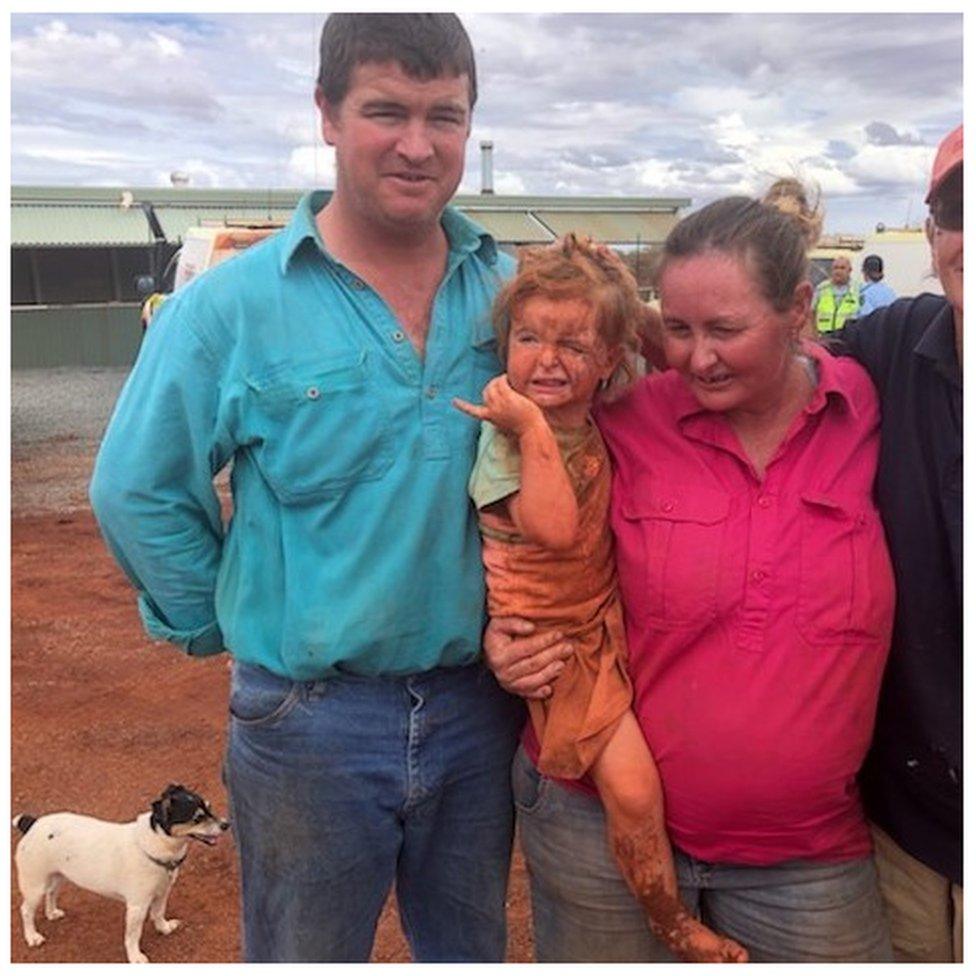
[[831, 314]]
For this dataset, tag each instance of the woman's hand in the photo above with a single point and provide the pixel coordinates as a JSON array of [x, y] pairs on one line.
[[525, 663], [506, 409]]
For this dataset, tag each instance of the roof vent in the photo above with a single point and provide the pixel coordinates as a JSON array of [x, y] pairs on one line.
[[486, 166]]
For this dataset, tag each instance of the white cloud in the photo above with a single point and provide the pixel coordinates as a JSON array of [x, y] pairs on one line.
[[311, 166], [685, 105], [168, 47], [907, 165]]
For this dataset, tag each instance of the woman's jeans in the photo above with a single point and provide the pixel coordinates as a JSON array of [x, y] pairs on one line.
[[343, 787], [801, 911]]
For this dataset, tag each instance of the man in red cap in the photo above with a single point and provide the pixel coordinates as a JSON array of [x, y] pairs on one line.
[[912, 779]]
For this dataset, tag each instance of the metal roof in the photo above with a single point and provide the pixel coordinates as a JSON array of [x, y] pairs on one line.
[[648, 228], [37, 224], [512, 226], [77, 216]]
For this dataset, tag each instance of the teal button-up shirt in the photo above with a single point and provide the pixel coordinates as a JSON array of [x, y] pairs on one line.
[[353, 544]]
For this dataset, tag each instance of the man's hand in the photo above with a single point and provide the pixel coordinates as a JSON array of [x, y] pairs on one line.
[[525, 663], [506, 409]]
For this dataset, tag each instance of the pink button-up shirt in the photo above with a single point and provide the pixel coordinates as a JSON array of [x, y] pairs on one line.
[[759, 612]]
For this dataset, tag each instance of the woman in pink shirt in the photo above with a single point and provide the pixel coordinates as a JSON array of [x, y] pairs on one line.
[[759, 601]]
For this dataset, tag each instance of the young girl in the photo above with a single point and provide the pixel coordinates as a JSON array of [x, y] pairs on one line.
[[566, 325]]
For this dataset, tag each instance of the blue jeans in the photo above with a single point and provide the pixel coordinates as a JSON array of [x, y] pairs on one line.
[[800, 911], [342, 787]]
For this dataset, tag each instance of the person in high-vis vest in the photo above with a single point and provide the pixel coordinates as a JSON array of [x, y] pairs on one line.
[[837, 300]]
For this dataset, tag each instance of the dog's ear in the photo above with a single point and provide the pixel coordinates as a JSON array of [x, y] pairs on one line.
[[159, 816], [173, 788]]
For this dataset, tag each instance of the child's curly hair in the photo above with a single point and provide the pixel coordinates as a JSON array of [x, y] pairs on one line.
[[577, 267]]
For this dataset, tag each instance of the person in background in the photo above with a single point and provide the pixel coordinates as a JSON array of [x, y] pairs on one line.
[[758, 600], [912, 780], [875, 292], [837, 299], [368, 745]]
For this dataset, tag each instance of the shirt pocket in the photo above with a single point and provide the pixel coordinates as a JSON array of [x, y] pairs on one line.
[[683, 533], [846, 587], [320, 428]]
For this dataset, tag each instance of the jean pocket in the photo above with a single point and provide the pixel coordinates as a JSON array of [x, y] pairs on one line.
[[529, 787], [260, 698]]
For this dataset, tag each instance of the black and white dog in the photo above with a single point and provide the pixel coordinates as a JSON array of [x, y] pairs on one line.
[[135, 862]]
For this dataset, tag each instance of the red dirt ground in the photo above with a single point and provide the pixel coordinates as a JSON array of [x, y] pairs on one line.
[[103, 719]]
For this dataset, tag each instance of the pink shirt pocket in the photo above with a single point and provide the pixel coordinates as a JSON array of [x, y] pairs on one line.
[[845, 578], [675, 535]]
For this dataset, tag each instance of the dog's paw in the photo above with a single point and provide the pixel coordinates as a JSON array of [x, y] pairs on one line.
[[138, 957], [35, 939], [167, 925], [54, 914]]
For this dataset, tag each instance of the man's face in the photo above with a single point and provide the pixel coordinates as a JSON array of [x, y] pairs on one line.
[[945, 234], [840, 271], [399, 145]]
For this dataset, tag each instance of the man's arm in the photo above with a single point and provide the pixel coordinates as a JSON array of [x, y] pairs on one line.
[[152, 488]]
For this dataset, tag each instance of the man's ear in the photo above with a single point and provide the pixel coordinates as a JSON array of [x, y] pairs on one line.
[[328, 116]]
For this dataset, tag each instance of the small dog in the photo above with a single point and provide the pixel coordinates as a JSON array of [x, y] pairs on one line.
[[133, 862]]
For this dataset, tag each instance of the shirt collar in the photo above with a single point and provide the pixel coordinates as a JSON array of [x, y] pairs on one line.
[[938, 345], [464, 236], [828, 387]]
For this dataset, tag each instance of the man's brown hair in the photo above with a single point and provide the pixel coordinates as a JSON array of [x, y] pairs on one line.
[[424, 45]]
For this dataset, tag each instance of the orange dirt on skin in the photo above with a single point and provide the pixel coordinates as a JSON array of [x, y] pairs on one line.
[[641, 857]]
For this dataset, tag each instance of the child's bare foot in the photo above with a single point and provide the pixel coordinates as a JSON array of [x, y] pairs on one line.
[[693, 942]]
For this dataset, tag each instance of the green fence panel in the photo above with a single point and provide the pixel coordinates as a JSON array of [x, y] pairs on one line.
[[74, 335]]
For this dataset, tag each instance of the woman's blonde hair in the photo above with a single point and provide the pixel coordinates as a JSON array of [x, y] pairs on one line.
[[577, 267], [774, 233]]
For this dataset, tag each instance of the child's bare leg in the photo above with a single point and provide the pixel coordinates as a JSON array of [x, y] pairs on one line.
[[626, 776]]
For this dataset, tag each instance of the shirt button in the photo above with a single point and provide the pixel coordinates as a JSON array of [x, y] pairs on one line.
[[313, 393], [358, 284], [763, 501], [398, 336], [757, 576], [431, 392], [667, 507]]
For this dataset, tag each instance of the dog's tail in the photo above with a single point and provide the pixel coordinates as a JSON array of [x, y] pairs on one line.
[[23, 822]]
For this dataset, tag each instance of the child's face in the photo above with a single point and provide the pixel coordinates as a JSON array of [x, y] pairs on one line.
[[556, 358]]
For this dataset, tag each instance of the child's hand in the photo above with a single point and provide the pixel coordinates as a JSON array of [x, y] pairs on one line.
[[506, 409]]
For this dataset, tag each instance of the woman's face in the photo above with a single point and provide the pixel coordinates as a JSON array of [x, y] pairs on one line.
[[732, 348]]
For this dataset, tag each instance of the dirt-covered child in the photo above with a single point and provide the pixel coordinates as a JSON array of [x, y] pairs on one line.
[[541, 482]]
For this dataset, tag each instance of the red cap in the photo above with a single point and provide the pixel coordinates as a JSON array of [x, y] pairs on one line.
[[947, 159]]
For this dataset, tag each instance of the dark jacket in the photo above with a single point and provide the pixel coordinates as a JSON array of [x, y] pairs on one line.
[[912, 779]]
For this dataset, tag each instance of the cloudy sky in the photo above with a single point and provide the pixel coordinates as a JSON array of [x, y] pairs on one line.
[[697, 105]]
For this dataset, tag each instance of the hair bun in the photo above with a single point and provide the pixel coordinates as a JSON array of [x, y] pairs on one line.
[[789, 196]]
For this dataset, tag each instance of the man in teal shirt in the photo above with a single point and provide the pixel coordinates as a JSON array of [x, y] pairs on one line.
[[367, 744]]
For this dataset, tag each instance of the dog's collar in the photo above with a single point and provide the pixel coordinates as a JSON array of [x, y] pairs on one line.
[[169, 865]]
